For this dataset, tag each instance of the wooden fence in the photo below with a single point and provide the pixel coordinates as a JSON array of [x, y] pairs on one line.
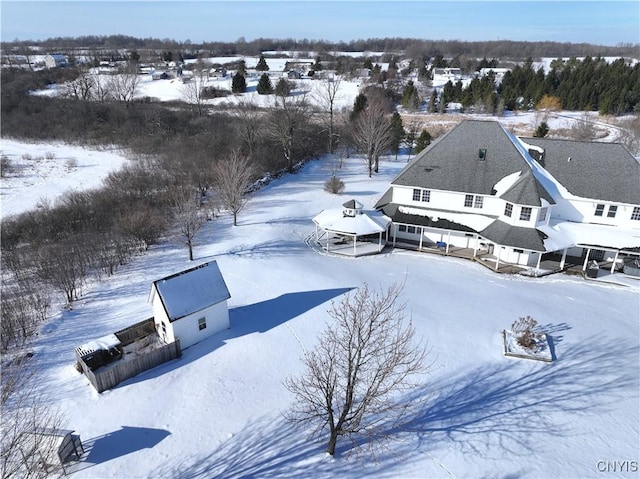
[[110, 375]]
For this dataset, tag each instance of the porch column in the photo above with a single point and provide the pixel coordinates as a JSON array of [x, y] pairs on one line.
[[380, 241], [497, 257], [446, 250], [327, 242], [613, 266], [586, 259], [539, 260], [354, 245], [421, 236], [395, 230], [564, 257], [475, 247]]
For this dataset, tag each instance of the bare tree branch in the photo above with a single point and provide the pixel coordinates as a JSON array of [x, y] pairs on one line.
[[232, 178]]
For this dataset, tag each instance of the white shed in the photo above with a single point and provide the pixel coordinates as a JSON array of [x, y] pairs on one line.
[[190, 305]]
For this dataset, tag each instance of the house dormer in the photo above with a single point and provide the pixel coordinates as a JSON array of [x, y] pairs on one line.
[[352, 208]]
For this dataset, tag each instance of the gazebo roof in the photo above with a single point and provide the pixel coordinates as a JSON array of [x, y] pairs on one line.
[[369, 222]]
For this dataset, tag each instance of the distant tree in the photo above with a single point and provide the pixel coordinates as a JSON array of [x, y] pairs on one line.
[[423, 140], [194, 94], [238, 83], [232, 177], [410, 97], [248, 126], [188, 215], [326, 96], [373, 134], [359, 104], [541, 130], [433, 102], [264, 85], [397, 132], [242, 68], [283, 87], [262, 65], [285, 123], [334, 185], [124, 84], [367, 63], [353, 378], [134, 56]]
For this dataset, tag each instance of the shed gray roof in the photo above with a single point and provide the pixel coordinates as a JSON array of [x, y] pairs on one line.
[[601, 171], [452, 163], [192, 290]]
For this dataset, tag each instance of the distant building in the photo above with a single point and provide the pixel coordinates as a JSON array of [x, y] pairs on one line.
[[55, 60]]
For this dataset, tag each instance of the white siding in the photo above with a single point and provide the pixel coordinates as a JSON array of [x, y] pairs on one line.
[[187, 330]]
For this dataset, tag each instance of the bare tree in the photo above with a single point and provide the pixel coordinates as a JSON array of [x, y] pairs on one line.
[[232, 178], [24, 454], [189, 215], [247, 128], [83, 88], [373, 134], [193, 93], [124, 84], [353, 378], [327, 94], [285, 121]]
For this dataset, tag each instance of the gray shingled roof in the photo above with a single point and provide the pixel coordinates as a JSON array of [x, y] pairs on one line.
[[452, 163], [514, 236], [601, 171]]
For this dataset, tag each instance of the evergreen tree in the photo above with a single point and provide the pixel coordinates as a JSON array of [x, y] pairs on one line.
[[359, 104], [262, 65], [542, 130], [410, 97], [397, 132], [433, 102], [283, 87], [367, 64], [238, 83], [423, 140], [264, 85]]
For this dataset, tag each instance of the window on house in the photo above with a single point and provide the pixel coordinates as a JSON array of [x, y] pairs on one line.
[[468, 201], [164, 329], [613, 209], [635, 214], [482, 154], [599, 210], [525, 213], [477, 202], [426, 196], [416, 194], [508, 210], [411, 229], [517, 250], [402, 227], [202, 324], [542, 214]]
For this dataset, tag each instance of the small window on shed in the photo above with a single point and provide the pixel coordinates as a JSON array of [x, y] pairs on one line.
[[482, 154], [202, 324]]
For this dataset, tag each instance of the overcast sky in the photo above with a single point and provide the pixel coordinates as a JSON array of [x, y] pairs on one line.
[[605, 23]]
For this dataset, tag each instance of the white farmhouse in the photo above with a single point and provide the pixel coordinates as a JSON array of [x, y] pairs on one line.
[[518, 201], [191, 305], [54, 60]]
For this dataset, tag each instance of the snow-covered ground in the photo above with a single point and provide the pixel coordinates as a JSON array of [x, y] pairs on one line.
[[40, 172], [218, 410]]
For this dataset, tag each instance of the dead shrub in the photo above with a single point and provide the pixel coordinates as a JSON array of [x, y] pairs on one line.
[[523, 330], [334, 185]]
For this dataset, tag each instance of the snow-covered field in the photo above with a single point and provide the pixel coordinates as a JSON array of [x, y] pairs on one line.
[[218, 410]]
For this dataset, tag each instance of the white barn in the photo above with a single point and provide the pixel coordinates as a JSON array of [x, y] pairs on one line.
[[190, 305]]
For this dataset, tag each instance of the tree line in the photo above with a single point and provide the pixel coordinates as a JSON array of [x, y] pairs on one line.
[[591, 84], [415, 47]]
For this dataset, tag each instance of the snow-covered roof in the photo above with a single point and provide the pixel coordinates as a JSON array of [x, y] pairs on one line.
[[563, 234], [191, 290], [104, 343], [368, 222]]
